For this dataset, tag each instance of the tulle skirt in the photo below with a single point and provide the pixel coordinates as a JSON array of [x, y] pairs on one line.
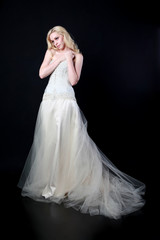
[[65, 165]]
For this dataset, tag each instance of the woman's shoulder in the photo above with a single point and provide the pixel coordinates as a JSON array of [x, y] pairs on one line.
[[51, 52], [79, 55]]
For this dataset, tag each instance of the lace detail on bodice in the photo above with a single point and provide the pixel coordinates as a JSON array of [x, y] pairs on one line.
[[50, 96], [58, 84]]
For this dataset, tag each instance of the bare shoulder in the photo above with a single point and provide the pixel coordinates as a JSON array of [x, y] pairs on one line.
[[79, 57], [48, 54], [47, 58], [52, 52]]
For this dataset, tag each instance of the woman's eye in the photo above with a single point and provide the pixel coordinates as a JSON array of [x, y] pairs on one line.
[[55, 39]]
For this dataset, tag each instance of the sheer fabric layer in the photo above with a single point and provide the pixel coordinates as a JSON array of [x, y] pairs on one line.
[[65, 165]]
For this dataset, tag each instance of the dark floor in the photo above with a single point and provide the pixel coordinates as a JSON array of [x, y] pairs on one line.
[[24, 218]]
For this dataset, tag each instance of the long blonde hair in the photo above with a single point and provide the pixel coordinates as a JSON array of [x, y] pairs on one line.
[[69, 42]]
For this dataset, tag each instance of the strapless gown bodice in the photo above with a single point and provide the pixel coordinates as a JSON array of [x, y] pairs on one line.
[[58, 84]]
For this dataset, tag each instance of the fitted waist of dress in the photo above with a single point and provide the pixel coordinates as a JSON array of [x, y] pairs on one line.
[[50, 96]]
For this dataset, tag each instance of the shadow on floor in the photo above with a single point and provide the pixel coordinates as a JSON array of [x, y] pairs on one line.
[[24, 218]]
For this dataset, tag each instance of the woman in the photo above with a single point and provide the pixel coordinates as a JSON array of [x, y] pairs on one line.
[[64, 164]]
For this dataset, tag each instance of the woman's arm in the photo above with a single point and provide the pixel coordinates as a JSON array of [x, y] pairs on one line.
[[74, 69], [46, 67]]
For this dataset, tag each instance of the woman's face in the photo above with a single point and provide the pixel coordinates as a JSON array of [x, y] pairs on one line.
[[57, 40]]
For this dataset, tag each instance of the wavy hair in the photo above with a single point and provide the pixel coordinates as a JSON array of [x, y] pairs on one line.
[[68, 40]]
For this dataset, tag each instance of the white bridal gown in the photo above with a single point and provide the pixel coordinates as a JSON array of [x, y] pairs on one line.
[[65, 165]]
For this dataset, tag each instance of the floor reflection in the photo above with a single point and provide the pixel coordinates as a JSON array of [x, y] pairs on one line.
[[53, 221]]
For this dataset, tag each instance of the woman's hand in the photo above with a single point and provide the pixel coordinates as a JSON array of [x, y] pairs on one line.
[[59, 56], [69, 54]]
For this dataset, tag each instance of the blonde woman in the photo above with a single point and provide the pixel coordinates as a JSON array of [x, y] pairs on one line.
[[61, 47], [64, 164]]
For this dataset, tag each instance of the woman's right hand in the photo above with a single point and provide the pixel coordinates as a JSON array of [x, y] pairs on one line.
[[69, 54]]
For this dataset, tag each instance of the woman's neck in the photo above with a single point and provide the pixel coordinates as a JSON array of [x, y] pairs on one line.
[[66, 49]]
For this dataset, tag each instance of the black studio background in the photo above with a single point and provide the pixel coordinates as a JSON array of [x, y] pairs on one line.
[[119, 89]]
